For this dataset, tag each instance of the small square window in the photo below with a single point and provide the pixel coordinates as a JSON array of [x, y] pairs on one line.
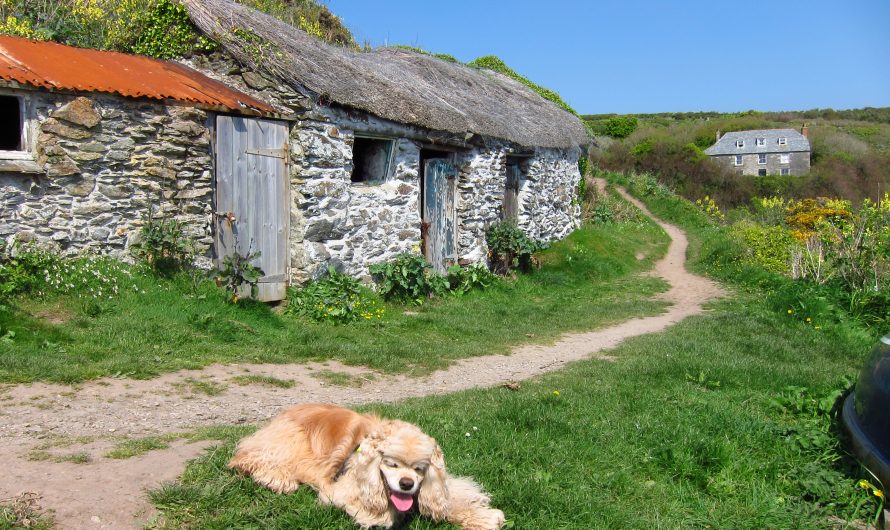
[[761, 172], [740, 143], [761, 141], [785, 171], [761, 158], [784, 159], [12, 131], [782, 140], [738, 160], [371, 159]]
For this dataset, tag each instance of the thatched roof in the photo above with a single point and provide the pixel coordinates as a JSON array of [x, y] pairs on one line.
[[395, 84]]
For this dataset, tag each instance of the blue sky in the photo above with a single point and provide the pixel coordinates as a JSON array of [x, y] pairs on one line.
[[636, 56]]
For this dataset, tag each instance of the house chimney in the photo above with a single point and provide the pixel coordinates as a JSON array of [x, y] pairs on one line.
[[805, 130], [718, 135]]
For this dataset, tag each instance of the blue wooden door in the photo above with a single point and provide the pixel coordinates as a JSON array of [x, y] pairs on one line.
[[252, 197], [439, 191]]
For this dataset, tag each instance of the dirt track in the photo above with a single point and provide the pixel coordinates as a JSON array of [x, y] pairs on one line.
[[106, 493]]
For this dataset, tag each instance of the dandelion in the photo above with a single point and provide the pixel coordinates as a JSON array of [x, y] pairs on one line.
[[467, 434], [556, 393], [790, 311], [809, 320], [879, 494]]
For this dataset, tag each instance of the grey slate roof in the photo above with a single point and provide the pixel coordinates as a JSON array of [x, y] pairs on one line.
[[726, 145]]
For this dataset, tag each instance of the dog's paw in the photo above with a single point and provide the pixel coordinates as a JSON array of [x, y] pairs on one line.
[[489, 519]]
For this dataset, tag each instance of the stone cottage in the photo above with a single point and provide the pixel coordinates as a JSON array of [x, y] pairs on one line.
[[322, 156], [91, 139], [393, 150], [764, 152]]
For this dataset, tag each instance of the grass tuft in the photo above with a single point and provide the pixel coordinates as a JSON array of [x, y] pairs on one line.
[[266, 380]]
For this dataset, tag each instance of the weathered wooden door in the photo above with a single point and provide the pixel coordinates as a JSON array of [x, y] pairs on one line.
[[439, 227], [511, 192], [252, 206]]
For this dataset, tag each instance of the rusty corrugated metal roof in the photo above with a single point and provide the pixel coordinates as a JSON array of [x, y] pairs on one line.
[[59, 67]]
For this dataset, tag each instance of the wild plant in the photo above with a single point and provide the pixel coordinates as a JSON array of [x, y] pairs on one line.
[[162, 245], [408, 278], [509, 248], [337, 297]]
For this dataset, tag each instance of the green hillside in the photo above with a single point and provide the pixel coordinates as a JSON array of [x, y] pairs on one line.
[[850, 151]]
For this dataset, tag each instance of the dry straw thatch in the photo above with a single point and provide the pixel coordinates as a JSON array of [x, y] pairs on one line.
[[395, 84]]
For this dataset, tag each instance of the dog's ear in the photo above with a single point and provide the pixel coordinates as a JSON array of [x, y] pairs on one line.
[[372, 492], [432, 499]]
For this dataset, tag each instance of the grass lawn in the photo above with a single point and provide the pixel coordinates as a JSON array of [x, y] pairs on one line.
[[726, 420], [148, 327], [692, 428]]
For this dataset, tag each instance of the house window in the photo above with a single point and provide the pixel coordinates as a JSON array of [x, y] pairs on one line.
[[738, 160], [761, 158], [785, 171], [740, 143], [12, 129], [782, 140], [371, 159], [761, 172], [784, 159], [761, 141]]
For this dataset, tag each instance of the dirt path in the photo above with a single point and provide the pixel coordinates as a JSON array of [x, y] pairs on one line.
[[83, 422]]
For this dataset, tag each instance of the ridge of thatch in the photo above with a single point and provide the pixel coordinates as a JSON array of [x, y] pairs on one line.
[[394, 84]]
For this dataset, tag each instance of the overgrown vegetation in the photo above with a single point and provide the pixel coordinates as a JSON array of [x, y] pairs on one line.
[[336, 298], [815, 260], [509, 248], [492, 62], [850, 153], [157, 28]]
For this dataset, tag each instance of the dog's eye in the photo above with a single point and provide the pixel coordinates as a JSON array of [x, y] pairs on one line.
[[420, 470], [391, 464]]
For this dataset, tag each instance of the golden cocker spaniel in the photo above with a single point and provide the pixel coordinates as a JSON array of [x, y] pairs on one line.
[[379, 471]]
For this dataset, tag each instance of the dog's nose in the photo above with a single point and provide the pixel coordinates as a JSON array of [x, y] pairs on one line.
[[406, 483]]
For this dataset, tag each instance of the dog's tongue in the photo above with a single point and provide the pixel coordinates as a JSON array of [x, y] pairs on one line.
[[402, 502]]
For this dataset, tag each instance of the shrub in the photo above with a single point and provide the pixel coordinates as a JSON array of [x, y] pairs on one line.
[[620, 126], [408, 278], [337, 297], [464, 279], [509, 248], [768, 246], [161, 245]]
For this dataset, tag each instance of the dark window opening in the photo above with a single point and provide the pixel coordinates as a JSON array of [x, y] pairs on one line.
[[370, 159], [761, 172], [11, 120]]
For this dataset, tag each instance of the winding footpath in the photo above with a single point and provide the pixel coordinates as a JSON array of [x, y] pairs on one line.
[[84, 421]]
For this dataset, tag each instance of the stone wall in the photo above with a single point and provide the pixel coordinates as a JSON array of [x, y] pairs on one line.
[[101, 160], [548, 208]]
